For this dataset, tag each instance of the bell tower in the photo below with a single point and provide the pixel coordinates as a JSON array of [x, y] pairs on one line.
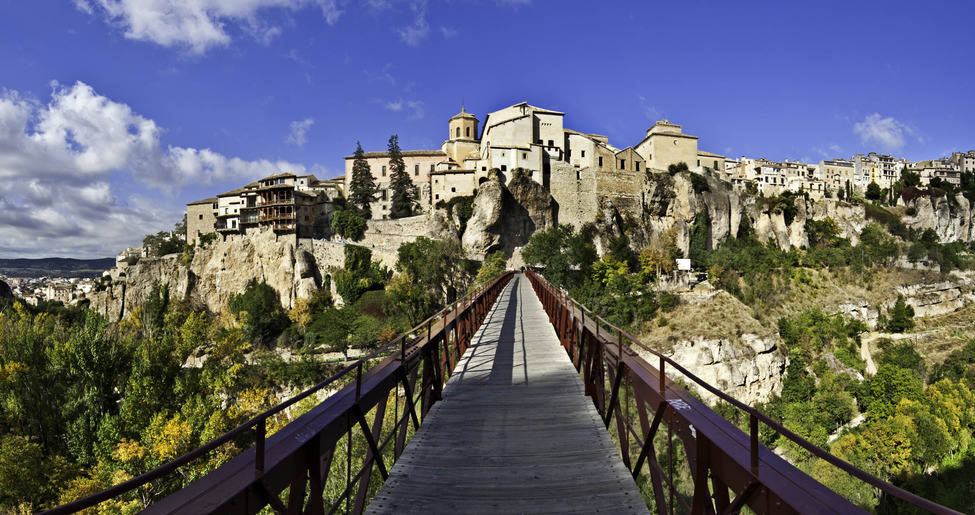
[[463, 126], [462, 138]]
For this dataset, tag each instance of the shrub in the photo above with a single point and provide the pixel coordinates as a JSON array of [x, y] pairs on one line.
[[668, 301], [901, 316], [349, 224], [205, 239], [699, 183], [259, 311]]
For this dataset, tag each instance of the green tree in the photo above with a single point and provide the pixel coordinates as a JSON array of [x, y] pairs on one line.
[[888, 386], [901, 316], [440, 266], [494, 265], [403, 190], [873, 191], [362, 187], [700, 239], [259, 311], [348, 224], [359, 274], [561, 252]]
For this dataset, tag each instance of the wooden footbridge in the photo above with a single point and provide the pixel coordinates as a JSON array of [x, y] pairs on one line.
[[513, 400]]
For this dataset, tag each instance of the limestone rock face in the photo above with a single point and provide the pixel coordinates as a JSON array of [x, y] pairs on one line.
[[216, 272], [505, 217], [670, 201], [951, 219], [939, 298], [750, 369]]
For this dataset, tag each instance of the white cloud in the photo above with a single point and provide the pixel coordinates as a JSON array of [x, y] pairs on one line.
[[299, 129], [448, 33], [886, 132], [414, 34], [416, 107], [58, 161], [197, 25], [648, 110]]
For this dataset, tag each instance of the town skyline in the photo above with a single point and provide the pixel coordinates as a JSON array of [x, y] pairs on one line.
[[194, 121]]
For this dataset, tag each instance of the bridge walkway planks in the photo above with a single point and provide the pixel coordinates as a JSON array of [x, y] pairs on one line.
[[514, 432]]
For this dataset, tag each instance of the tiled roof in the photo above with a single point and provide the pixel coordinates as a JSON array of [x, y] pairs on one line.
[[404, 153], [210, 200]]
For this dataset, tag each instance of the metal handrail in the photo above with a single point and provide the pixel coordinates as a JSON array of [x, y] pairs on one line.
[[864, 476], [258, 422]]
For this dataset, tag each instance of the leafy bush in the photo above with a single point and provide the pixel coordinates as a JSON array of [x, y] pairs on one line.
[[259, 311], [348, 224], [700, 183], [205, 239]]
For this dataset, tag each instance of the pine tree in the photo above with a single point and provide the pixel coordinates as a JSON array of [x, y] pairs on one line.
[[403, 190], [362, 188]]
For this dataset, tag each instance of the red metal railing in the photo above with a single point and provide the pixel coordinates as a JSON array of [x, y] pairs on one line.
[[640, 398], [304, 459]]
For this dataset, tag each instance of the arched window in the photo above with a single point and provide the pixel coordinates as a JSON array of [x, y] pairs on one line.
[[458, 132], [467, 132]]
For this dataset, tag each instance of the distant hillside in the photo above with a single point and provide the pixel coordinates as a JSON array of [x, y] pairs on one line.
[[55, 267]]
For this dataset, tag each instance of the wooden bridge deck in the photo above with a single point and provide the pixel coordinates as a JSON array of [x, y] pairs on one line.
[[514, 433]]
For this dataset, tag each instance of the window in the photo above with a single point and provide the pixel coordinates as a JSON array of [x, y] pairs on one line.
[[416, 170], [384, 170], [622, 164], [483, 168], [637, 165], [504, 168], [435, 181], [551, 143], [458, 132], [539, 142], [384, 195], [201, 217], [698, 162], [583, 153], [467, 132], [524, 155], [431, 167], [716, 164], [600, 160], [436, 197], [453, 190]]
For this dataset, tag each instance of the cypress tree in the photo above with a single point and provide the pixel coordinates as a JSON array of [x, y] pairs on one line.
[[362, 188], [403, 190]]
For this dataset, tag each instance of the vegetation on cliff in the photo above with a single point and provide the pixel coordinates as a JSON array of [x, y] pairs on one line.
[[86, 404]]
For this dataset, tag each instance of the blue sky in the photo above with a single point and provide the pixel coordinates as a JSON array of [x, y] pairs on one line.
[[115, 113]]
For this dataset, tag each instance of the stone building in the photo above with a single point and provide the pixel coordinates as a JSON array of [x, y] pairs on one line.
[[201, 218], [284, 203], [963, 161], [568, 163]]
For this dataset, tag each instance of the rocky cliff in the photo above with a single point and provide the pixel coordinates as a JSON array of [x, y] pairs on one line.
[[506, 215], [750, 368], [950, 218]]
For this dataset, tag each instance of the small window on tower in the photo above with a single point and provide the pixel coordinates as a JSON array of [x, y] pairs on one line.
[[637, 165], [384, 170], [583, 153], [458, 132], [600, 160], [622, 164], [467, 132], [416, 170], [524, 155]]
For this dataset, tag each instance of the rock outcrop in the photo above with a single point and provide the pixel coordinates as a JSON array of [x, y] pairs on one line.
[[505, 217], [750, 368], [951, 218]]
